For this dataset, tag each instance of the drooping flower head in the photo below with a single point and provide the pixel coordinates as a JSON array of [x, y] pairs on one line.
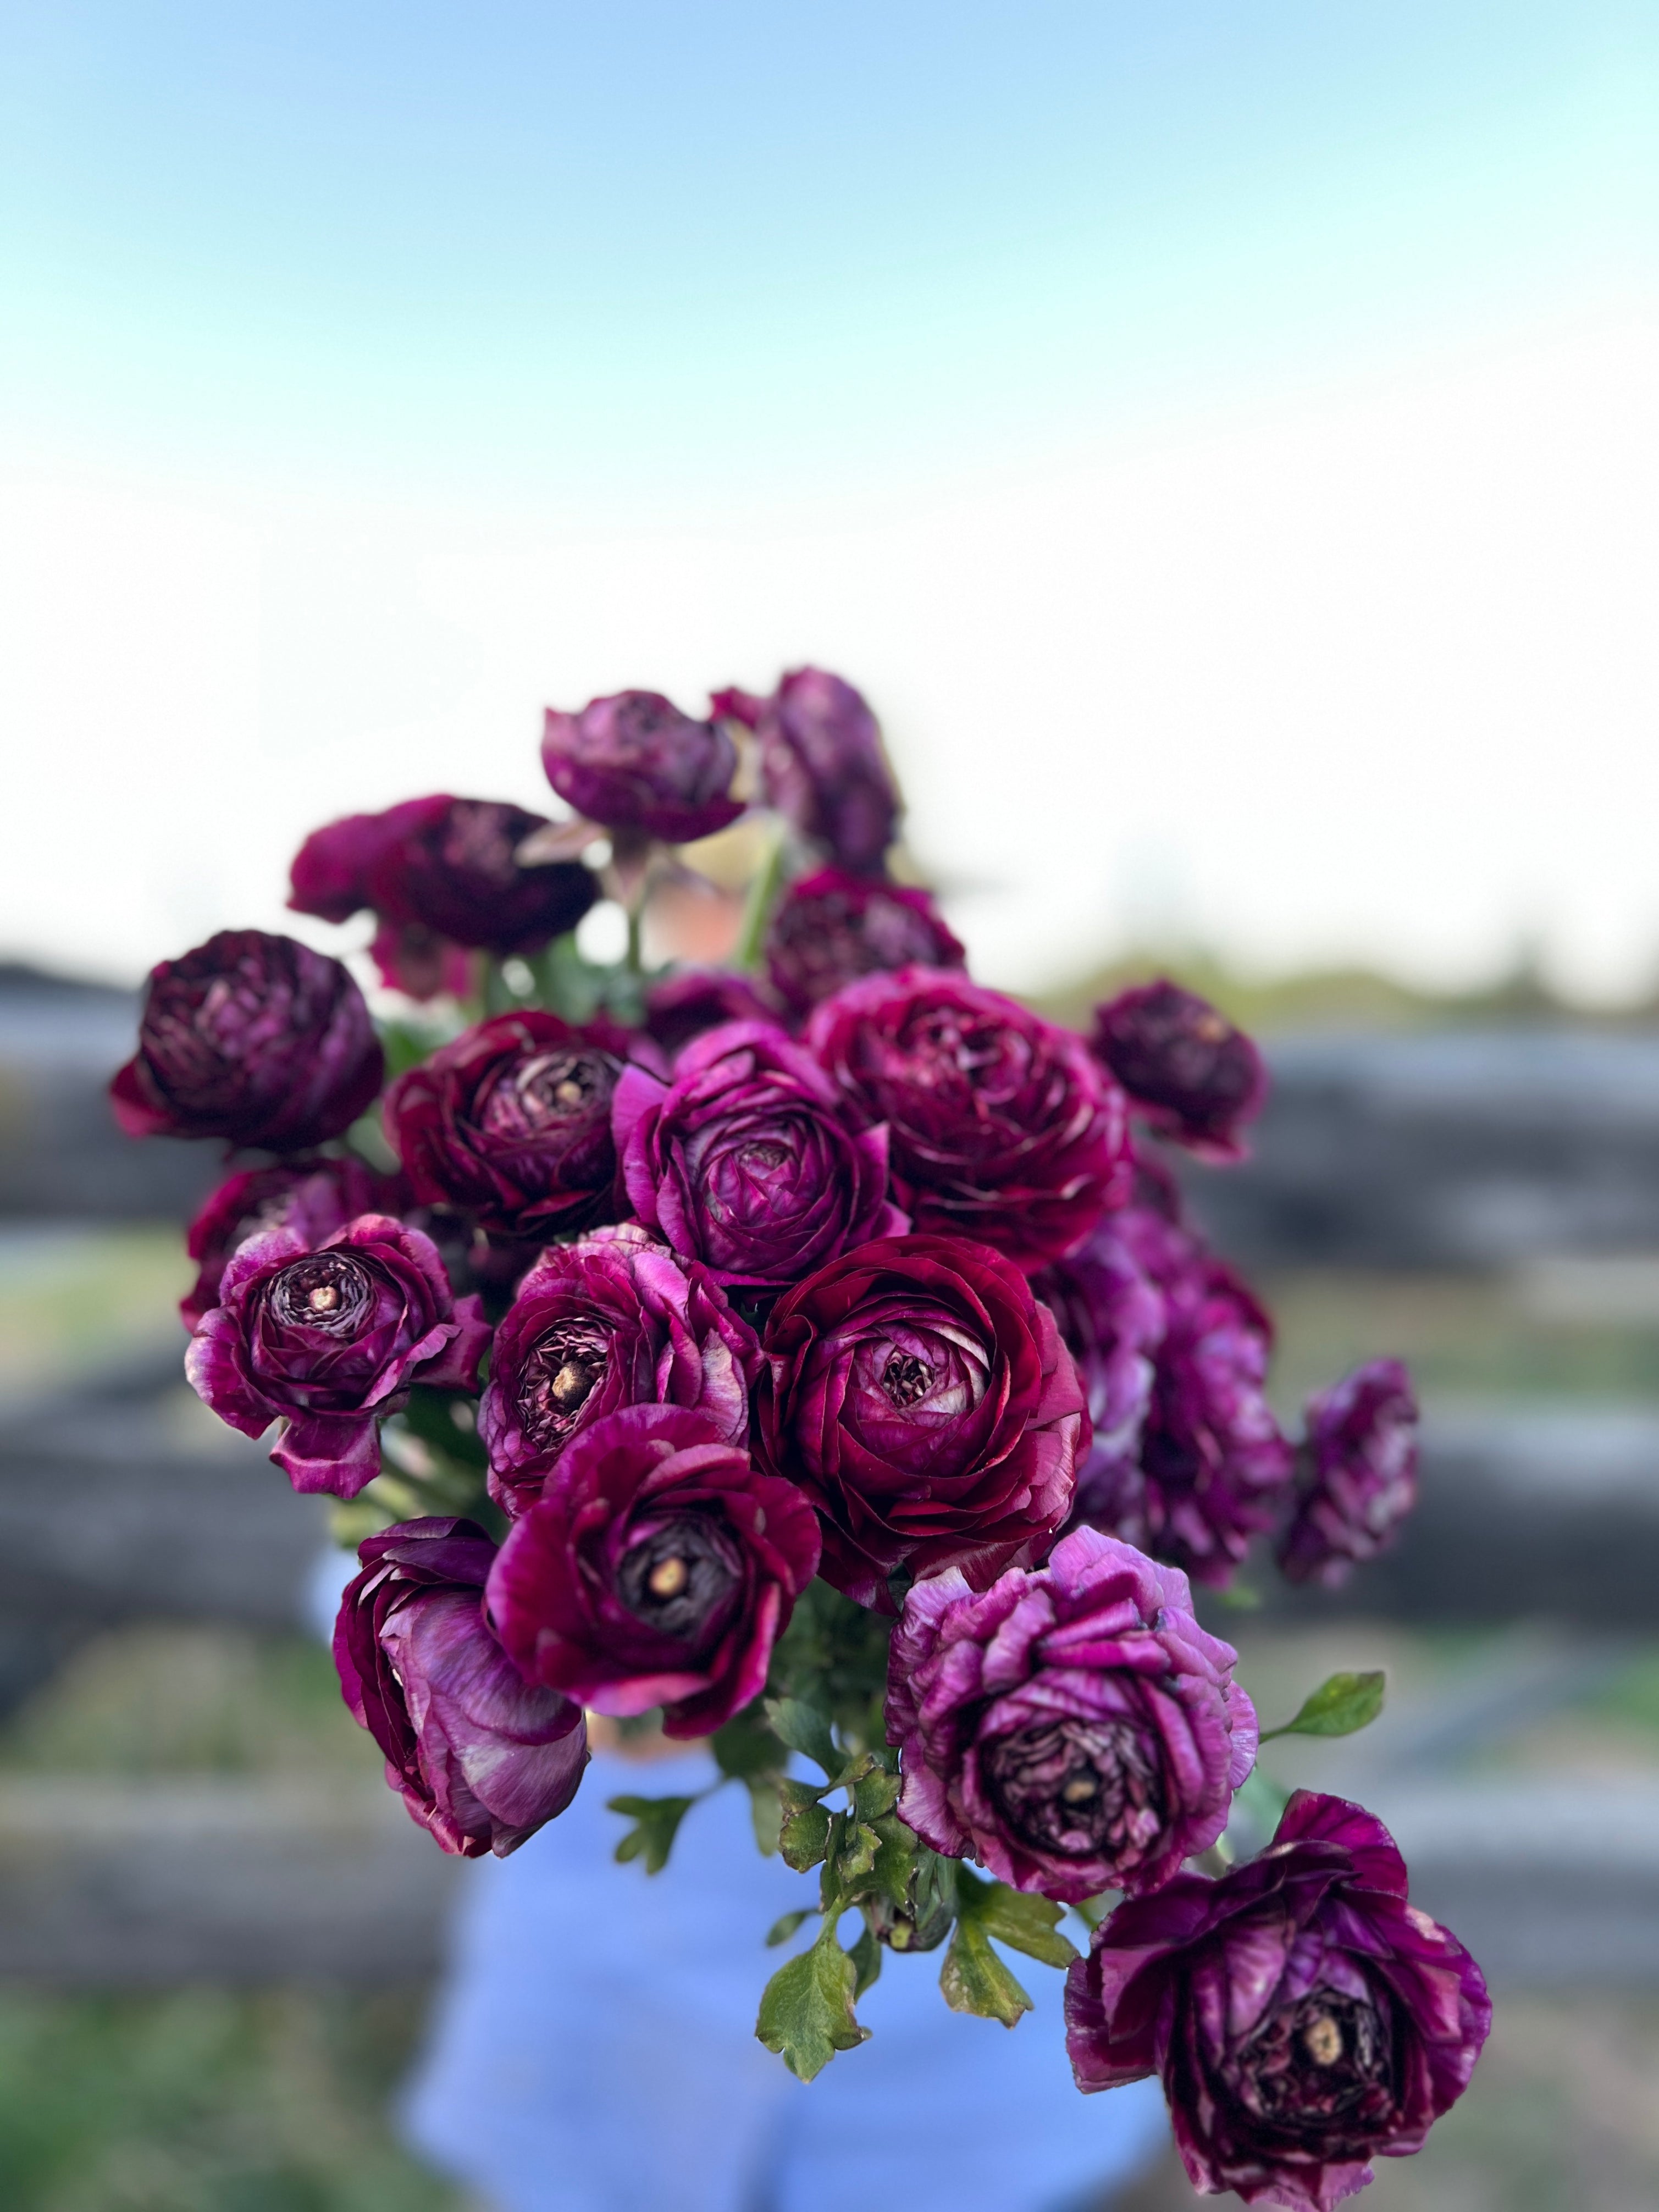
[[832, 928], [633, 762], [657, 1567], [823, 766], [1001, 1126], [1073, 1728], [327, 1341], [611, 1321], [254, 1038], [922, 1399], [481, 1758], [1188, 1072], [312, 1197], [1360, 1474], [1304, 2016]]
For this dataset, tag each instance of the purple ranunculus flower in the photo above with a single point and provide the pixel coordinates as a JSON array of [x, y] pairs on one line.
[[614, 1320], [254, 1038], [1000, 1126], [1188, 1072], [832, 928], [1214, 1466], [327, 1341], [684, 1004], [1360, 1482], [1306, 2018], [746, 1161], [1074, 1730], [634, 762], [658, 1567], [922, 1399], [480, 1756], [312, 1197], [1111, 1317], [823, 766], [512, 1121]]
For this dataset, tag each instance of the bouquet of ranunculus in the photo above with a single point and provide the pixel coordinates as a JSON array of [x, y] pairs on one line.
[[813, 1356]]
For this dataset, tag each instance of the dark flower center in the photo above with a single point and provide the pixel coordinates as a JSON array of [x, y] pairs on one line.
[[906, 1378], [558, 1378], [1324, 2056], [327, 1289], [1078, 1789], [683, 1579], [549, 1092]]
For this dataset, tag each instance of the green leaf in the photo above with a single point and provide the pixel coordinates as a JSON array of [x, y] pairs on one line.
[[781, 1930], [766, 1812], [806, 2009], [804, 1837], [796, 1796], [856, 1856], [806, 1729], [896, 1858], [1341, 1705], [747, 1748], [1024, 1923], [446, 1422], [865, 1955], [1091, 1910], [875, 1794], [974, 1979], [657, 1819]]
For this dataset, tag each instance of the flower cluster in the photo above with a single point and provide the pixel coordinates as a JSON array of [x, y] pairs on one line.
[[856, 1387]]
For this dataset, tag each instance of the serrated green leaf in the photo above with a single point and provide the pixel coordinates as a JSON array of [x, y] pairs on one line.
[[805, 1729], [875, 1794], [1342, 1705], [747, 1748], [656, 1823], [1024, 1923], [865, 1955], [804, 1837], [806, 2009], [781, 1930], [896, 1858], [796, 1796], [856, 1856], [766, 1814], [974, 1979]]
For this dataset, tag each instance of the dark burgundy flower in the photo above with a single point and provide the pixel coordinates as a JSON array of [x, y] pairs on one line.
[[746, 1161], [327, 1341], [1306, 2018], [656, 1568], [634, 762], [1189, 1073], [832, 928], [480, 1756], [513, 1123], [1214, 1465], [254, 1038], [312, 1197], [923, 1400], [1360, 1460], [823, 766], [1111, 1318], [1074, 1730], [615, 1319], [1000, 1126], [332, 872], [684, 1004]]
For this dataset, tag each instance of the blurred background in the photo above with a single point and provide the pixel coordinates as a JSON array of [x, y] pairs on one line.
[[1222, 444]]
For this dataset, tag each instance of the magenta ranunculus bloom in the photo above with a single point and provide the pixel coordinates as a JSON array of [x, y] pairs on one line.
[[614, 1320], [1111, 1317], [1214, 1467], [832, 928], [1306, 2018], [327, 1341], [658, 1567], [923, 1400], [634, 762], [254, 1038], [1360, 1474], [512, 1121], [823, 766], [312, 1197], [745, 1160], [684, 1004], [1001, 1126], [1189, 1073], [1074, 1730], [480, 1756]]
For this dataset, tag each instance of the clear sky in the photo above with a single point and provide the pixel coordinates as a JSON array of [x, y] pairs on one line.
[[1220, 439]]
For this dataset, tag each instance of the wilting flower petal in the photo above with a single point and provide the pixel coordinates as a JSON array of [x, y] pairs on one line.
[[1361, 1474]]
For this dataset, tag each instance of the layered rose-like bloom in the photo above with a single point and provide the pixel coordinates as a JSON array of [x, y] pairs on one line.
[[1112, 1319], [633, 762], [1000, 1126], [823, 766], [746, 1161], [481, 1756], [1361, 1474], [326, 1341], [614, 1320], [1189, 1073], [832, 928], [1305, 2019], [923, 1400], [513, 1123], [683, 1005], [658, 1567], [1213, 1466], [254, 1038], [312, 1197], [1074, 1730]]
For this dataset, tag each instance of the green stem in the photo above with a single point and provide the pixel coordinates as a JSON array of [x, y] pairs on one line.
[[757, 908], [632, 962]]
